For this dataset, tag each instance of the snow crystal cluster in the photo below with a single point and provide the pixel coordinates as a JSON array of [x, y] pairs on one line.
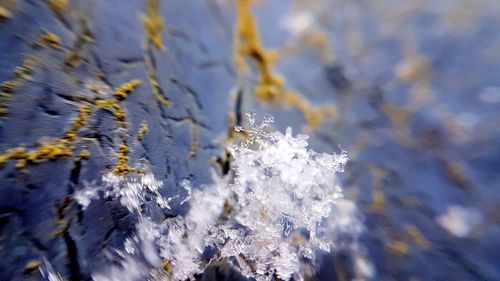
[[132, 191], [268, 219], [283, 194], [460, 221]]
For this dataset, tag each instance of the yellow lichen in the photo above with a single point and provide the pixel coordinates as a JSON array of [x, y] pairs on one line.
[[4, 13], [378, 201], [77, 123], [298, 239], [398, 248], [58, 6], [75, 56], [122, 92], [193, 148], [48, 150], [64, 147], [163, 100], [456, 173], [32, 265], [248, 44], [414, 68], [83, 155], [7, 88], [143, 130], [416, 236], [167, 267], [263, 214], [119, 94], [153, 24], [122, 168], [50, 39], [270, 86], [314, 115], [153, 81], [317, 39]]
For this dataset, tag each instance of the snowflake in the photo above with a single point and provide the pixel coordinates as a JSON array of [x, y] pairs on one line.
[[282, 205]]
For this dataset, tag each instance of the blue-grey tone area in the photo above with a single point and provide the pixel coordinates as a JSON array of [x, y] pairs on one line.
[[413, 87]]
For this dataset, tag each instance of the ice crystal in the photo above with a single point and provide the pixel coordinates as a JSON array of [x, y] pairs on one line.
[[85, 195], [280, 187], [132, 191], [268, 219], [460, 221], [47, 272]]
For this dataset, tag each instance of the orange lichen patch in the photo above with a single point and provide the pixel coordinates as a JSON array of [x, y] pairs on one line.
[[13, 153], [77, 123], [263, 214], [122, 92], [49, 39], [119, 93], [167, 267], [32, 265], [228, 209], [193, 148], [65, 147], [378, 203], [7, 88], [4, 13], [162, 99], [153, 24], [417, 71], [249, 45], [122, 168], [60, 149], [398, 248], [153, 81], [416, 236], [320, 40], [298, 239], [143, 130], [156, 90], [62, 223], [397, 116], [414, 69], [48, 150], [316, 39], [75, 57], [118, 113], [58, 6], [270, 86], [83, 155], [105, 103], [313, 115], [456, 173]]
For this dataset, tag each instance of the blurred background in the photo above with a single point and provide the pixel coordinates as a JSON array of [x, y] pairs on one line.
[[410, 89]]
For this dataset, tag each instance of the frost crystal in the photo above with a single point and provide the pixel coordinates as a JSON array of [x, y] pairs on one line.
[[268, 219], [281, 188], [47, 271], [86, 195], [132, 190], [460, 221]]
